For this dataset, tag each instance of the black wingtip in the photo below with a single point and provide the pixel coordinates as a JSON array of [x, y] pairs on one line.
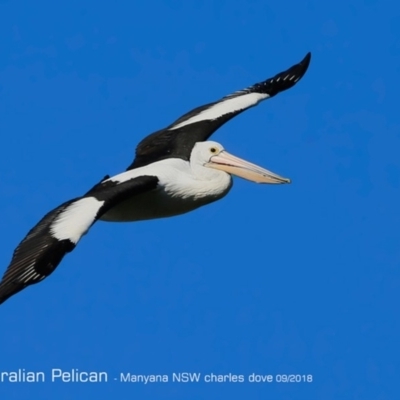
[[37, 253], [6, 292], [284, 80], [297, 70], [305, 62], [301, 68], [3, 295]]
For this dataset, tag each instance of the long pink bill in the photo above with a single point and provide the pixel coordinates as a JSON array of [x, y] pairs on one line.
[[239, 167]]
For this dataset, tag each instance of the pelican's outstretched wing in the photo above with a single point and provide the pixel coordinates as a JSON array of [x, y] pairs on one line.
[[178, 139], [59, 231]]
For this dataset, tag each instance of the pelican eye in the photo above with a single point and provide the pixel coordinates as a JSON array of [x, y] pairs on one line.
[[213, 150]]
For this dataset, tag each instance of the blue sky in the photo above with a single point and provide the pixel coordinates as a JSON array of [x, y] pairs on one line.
[[294, 279]]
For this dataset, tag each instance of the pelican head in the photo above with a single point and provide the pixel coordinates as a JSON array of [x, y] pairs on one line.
[[213, 155]]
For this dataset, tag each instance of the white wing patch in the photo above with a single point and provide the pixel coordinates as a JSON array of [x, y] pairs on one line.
[[76, 219], [226, 106], [171, 168]]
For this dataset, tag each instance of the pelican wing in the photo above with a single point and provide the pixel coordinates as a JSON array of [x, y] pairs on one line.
[[59, 231], [178, 139]]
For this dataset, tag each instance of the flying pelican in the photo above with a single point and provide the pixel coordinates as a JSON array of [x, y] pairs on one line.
[[175, 170]]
